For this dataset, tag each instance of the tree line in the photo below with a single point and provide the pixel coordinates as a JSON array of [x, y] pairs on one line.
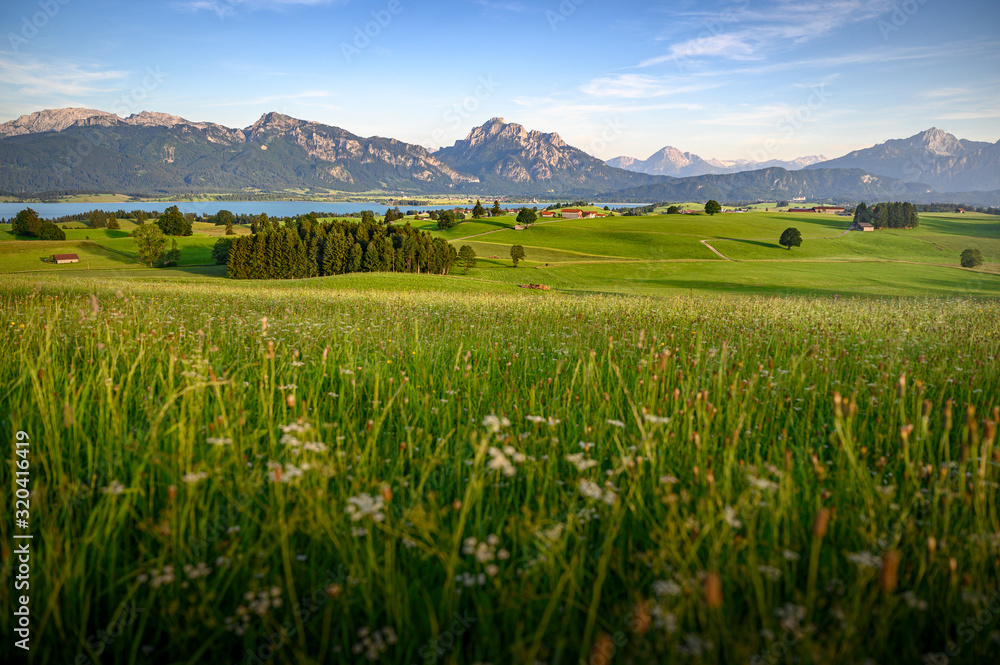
[[309, 248], [888, 215]]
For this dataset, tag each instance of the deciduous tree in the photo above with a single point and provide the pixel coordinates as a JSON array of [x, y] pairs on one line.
[[150, 242], [790, 237], [467, 258], [972, 258], [516, 254]]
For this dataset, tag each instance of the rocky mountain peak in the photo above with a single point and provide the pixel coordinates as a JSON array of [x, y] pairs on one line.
[[49, 120], [274, 122], [939, 142], [154, 119]]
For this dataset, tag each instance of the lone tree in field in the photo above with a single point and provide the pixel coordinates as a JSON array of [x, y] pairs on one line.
[[446, 219], [467, 258], [150, 241], [516, 254], [113, 224], [27, 223], [972, 258], [712, 207], [478, 212], [673, 210], [526, 217], [495, 210], [790, 237]]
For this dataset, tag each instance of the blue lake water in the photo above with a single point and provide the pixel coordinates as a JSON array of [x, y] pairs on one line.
[[272, 208]]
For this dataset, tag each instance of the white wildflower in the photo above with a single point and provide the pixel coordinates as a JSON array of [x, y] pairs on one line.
[[495, 423], [366, 505], [580, 461], [499, 462], [729, 513], [667, 588], [114, 487], [865, 559], [191, 478]]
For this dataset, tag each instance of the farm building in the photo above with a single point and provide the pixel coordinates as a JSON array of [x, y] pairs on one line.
[[861, 226], [65, 258], [546, 213], [572, 213], [829, 210]]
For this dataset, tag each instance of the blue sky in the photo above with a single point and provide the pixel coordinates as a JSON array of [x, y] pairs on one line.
[[751, 79]]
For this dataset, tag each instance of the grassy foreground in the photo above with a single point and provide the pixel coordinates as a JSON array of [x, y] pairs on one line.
[[247, 473]]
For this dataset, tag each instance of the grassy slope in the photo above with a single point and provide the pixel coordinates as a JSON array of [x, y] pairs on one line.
[[655, 254], [717, 422]]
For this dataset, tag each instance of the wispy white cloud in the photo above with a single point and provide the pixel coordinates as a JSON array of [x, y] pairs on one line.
[[973, 114], [946, 92], [639, 86], [501, 5], [307, 94], [228, 7], [31, 77], [746, 34]]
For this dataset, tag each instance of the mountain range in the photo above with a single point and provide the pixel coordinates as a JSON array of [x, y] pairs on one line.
[[671, 161], [83, 150], [935, 157]]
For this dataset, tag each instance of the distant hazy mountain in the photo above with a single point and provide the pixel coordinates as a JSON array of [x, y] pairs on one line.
[[507, 157], [838, 185], [151, 152], [672, 162], [946, 163]]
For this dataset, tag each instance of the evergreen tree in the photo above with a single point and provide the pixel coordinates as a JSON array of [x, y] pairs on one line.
[[478, 212], [221, 251], [354, 258], [26, 223], [495, 211]]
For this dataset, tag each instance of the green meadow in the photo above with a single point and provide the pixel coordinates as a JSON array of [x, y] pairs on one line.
[[769, 456]]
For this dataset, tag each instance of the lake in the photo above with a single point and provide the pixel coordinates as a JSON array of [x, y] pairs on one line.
[[272, 208]]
